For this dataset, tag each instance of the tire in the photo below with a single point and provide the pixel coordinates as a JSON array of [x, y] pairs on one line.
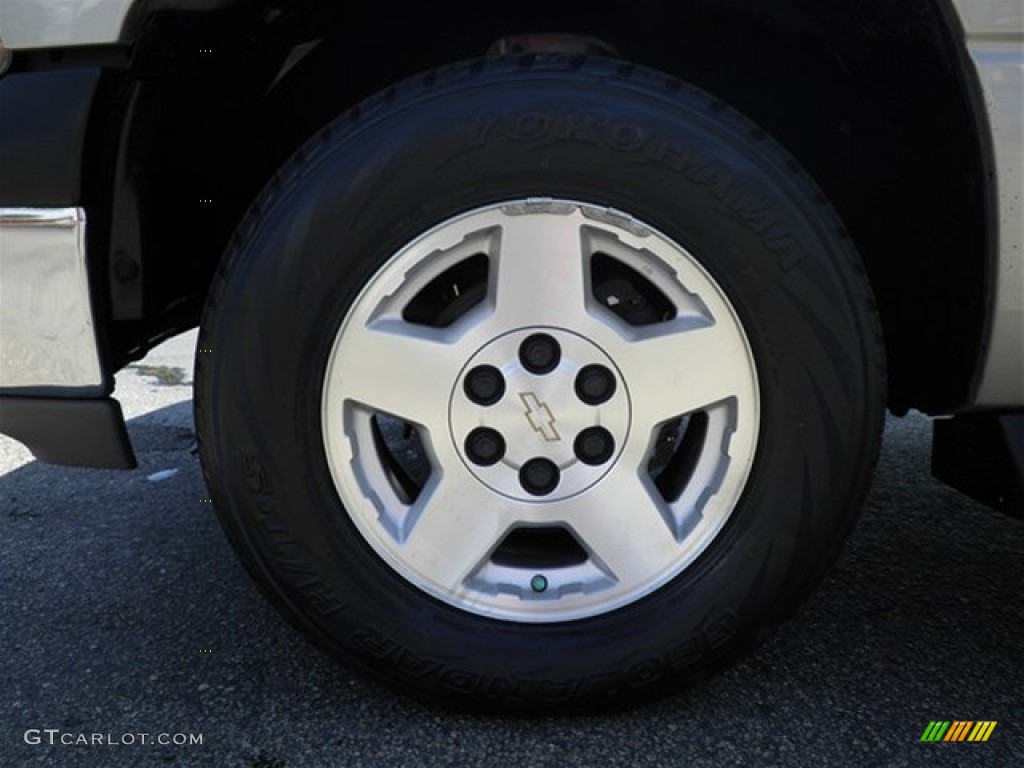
[[539, 383]]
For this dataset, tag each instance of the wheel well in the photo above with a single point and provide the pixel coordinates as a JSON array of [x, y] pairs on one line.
[[874, 98]]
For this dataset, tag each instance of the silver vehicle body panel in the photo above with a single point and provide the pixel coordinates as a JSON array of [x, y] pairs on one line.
[[53, 23], [47, 334], [995, 39]]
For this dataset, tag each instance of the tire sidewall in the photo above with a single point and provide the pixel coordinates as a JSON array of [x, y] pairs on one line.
[[673, 159]]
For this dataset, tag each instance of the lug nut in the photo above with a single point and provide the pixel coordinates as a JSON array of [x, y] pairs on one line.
[[539, 476], [485, 446], [484, 385], [540, 354], [594, 445], [595, 384]]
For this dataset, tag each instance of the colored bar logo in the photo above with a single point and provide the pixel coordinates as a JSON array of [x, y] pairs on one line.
[[958, 730]]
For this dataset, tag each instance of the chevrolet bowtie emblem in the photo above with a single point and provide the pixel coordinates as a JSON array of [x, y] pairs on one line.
[[540, 417]]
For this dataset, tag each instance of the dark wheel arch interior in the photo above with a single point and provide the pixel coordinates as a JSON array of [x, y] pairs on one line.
[[876, 99]]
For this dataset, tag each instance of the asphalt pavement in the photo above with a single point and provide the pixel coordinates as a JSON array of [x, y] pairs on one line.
[[123, 611]]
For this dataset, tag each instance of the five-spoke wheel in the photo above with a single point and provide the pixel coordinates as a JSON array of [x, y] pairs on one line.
[[539, 383], [557, 438]]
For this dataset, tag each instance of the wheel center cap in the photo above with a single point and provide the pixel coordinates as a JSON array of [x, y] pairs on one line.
[[539, 414]]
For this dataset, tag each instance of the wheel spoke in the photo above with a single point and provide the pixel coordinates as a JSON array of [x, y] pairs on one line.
[[453, 527], [540, 276], [404, 370], [625, 527], [684, 371]]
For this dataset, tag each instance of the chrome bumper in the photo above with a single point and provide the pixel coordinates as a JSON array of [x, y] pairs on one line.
[[47, 334]]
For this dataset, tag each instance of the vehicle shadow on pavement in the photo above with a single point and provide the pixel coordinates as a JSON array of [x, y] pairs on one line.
[[124, 610]]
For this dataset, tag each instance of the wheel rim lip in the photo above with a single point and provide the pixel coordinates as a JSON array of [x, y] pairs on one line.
[[475, 599]]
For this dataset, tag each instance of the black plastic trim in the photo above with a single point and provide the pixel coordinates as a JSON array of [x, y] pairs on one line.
[[43, 121], [142, 10], [78, 433], [983, 456]]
